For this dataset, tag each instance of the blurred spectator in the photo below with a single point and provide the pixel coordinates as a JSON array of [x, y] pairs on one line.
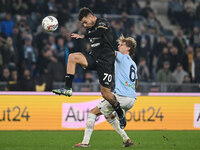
[[189, 5], [118, 28], [6, 6], [51, 7], [185, 87], [143, 43], [188, 16], [13, 83], [197, 14], [147, 9], [126, 23], [160, 45], [143, 71], [134, 9], [12, 52], [190, 56], [88, 77], [195, 37], [6, 50], [61, 51], [71, 44], [20, 7], [152, 44], [180, 42], [175, 9], [152, 23], [14, 75], [195, 68], [43, 83], [175, 58], [16, 43], [63, 16], [164, 75], [52, 44], [56, 70], [5, 75], [132, 32], [41, 40], [179, 73], [7, 25], [35, 7], [164, 56], [29, 54], [27, 84], [187, 79]]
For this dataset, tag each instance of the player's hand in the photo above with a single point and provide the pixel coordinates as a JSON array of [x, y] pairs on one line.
[[77, 36]]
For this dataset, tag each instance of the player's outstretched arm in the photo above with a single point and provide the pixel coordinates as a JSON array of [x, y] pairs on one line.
[[77, 36]]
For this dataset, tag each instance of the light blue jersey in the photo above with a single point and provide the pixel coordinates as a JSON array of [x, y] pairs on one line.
[[125, 75]]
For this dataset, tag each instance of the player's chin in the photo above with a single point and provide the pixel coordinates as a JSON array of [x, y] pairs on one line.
[[89, 27]]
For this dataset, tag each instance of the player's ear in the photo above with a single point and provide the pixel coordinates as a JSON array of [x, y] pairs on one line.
[[90, 16]]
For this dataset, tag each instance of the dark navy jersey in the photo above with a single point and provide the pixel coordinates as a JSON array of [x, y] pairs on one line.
[[100, 37]]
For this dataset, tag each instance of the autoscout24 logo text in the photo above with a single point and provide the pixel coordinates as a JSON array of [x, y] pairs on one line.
[[74, 115]]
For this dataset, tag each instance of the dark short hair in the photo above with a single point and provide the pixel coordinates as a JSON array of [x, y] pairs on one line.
[[84, 12]]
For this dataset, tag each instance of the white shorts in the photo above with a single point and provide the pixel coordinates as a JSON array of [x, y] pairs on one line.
[[106, 108]]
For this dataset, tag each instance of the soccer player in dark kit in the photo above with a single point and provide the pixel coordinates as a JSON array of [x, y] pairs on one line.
[[101, 58]]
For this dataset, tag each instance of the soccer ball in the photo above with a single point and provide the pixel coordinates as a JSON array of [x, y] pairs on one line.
[[50, 23]]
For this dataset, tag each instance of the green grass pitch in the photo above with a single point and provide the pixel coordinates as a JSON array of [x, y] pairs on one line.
[[101, 140]]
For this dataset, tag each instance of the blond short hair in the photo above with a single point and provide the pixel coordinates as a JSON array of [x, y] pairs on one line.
[[130, 42]]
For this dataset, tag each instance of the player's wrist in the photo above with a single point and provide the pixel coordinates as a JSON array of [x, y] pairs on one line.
[[82, 36]]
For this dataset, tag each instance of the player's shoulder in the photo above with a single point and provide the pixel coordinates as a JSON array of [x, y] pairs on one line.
[[102, 22], [131, 60]]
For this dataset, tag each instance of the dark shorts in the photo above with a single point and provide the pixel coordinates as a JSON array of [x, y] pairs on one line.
[[104, 68]]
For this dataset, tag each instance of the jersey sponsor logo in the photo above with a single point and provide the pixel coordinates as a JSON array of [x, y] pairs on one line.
[[129, 85], [106, 83], [102, 24], [95, 45]]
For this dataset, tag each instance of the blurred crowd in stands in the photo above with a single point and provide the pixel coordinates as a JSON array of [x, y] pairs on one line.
[[31, 58]]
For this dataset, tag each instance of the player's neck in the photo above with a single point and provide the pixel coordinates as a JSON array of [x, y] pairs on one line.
[[125, 53]]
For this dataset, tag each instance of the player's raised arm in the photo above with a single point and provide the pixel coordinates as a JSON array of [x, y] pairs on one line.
[[77, 36]]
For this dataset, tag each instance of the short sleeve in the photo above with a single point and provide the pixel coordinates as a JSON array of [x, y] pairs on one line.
[[119, 56]]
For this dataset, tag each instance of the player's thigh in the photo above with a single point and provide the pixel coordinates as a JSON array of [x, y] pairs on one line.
[[91, 61], [126, 103], [79, 58], [105, 73], [105, 108]]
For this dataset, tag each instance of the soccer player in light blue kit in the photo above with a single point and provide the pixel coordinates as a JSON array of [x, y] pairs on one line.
[[125, 84]]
